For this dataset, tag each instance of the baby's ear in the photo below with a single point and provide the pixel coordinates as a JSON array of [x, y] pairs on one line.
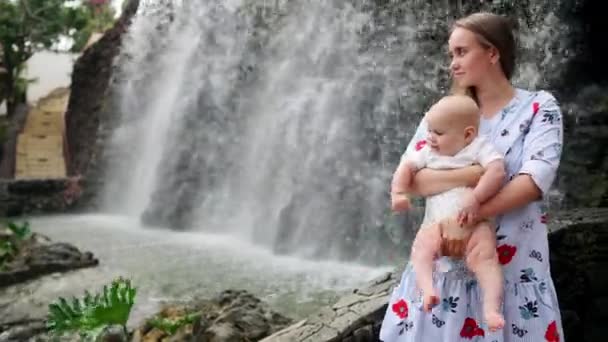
[[470, 132]]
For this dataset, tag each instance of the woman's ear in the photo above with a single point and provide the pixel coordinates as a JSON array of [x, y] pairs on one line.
[[494, 55]]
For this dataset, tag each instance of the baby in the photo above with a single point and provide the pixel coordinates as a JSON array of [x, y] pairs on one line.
[[453, 142]]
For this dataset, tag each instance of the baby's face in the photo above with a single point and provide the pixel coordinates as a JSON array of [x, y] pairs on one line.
[[445, 137]]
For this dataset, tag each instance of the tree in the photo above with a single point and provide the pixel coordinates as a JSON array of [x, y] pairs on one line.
[[27, 26]]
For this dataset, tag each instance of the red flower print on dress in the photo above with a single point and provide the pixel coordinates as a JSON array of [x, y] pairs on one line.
[[552, 335], [400, 309], [544, 218], [470, 329], [535, 108], [420, 144], [506, 253]]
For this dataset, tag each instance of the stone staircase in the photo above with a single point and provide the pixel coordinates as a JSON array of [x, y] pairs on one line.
[[40, 145]]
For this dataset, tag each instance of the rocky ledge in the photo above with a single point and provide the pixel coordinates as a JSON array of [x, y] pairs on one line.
[[35, 256], [579, 261], [231, 316]]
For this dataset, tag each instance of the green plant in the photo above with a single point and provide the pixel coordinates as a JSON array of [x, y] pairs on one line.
[[10, 247], [7, 252], [28, 26], [90, 315], [22, 231], [171, 325]]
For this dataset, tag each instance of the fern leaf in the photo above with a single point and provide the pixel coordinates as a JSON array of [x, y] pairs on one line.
[[76, 305], [88, 298], [92, 314], [22, 232], [62, 317], [171, 326]]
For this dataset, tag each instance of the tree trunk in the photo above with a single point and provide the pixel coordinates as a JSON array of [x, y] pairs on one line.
[[11, 101], [13, 98]]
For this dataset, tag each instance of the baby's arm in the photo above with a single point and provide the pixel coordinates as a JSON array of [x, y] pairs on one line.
[[491, 181], [400, 185], [402, 178]]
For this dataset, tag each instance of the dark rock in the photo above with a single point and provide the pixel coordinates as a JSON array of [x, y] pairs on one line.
[[37, 196], [114, 333], [233, 316], [21, 330], [86, 115], [38, 256]]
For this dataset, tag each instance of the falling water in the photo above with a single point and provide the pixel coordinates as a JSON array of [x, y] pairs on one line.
[[280, 122]]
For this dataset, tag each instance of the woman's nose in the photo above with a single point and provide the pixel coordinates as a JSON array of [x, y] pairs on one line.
[[454, 65]]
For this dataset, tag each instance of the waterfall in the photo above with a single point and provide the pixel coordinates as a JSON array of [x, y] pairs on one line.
[[281, 122]]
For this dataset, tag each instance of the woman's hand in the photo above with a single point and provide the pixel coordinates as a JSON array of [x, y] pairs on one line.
[[470, 210], [454, 237]]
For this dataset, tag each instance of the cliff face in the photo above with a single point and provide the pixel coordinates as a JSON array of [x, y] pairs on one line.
[[87, 117]]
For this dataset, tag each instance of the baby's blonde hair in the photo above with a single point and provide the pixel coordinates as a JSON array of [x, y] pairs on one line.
[[459, 109]]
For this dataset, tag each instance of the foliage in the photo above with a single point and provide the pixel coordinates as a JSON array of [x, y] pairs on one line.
[[10, 248], [171, 325], [92, 314], [22, 231], [27, 26], [97, 16]]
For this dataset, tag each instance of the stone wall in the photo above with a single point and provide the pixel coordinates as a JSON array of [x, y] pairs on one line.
[[87, 118], [37, 196], [583, 173], [578, 242]]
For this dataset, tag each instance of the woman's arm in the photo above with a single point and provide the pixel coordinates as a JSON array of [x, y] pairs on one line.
[[428, 182], [520, 191], [540, 160]]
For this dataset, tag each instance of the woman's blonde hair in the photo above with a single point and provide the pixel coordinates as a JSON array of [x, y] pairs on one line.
[[491, 30]]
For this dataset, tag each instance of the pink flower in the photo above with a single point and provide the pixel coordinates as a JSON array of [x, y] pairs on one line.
[[400, 309], [470, 329], [535, 107], [420, 144]]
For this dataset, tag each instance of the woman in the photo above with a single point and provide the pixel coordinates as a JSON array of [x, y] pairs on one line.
[[526, 127]]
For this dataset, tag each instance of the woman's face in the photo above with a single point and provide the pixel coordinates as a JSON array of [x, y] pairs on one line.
[[470, 60]]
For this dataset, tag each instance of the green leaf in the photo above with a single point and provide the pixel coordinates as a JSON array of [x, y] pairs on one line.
[[22, 232], [91, 315], [171, 326]]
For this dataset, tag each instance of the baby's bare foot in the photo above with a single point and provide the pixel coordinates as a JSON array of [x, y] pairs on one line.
[[495, 321], [430, 299]]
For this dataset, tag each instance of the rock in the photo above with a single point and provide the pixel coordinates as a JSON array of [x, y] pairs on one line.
[[234, 316], [37, 196], [86, 117], [38, 256], [21, 330], [579, 258]]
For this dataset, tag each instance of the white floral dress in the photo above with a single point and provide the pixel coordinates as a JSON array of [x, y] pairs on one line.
[[528, 131]]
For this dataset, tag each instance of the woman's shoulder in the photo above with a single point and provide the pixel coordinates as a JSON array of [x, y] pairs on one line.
[[532, 100], [541, 96]]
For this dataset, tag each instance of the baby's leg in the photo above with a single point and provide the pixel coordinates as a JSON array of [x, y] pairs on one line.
[[424, 251], [483, 261]]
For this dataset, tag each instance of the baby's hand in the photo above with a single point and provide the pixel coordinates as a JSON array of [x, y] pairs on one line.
[[400, 202], [469, 211]]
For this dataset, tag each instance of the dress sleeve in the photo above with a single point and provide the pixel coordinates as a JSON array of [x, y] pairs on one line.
[[418, 141], [543, 144], [418, 157], [487, 153]]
